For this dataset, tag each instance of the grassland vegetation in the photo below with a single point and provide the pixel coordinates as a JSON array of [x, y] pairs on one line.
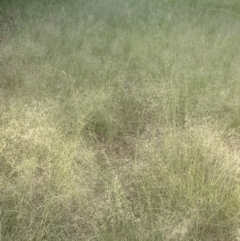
[[120, 120]]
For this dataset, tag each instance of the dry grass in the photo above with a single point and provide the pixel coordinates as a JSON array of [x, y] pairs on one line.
[[119, 120]]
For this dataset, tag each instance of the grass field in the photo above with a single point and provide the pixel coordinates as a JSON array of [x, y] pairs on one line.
[[120, 120]]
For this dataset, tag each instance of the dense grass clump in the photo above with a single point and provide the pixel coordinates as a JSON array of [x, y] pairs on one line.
[[119, 120]]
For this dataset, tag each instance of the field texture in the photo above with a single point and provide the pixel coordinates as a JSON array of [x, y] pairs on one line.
[[120, 120]]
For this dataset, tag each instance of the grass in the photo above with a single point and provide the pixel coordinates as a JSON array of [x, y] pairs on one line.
[[119, 120]]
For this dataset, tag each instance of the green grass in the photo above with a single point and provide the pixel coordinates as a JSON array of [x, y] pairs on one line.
[[119, 120]]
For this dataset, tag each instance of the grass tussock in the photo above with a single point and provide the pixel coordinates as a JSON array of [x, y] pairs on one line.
[[119, 120]]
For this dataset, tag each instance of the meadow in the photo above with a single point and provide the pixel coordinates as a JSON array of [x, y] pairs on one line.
[[120, 120]]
